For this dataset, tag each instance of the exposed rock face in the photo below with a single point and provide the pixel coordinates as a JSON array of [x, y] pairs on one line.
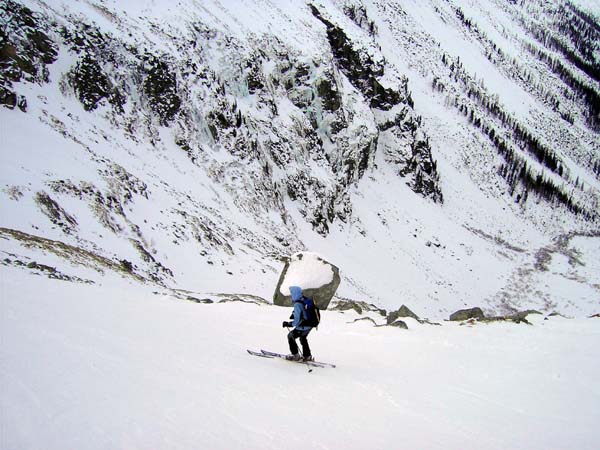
[[347, 306], [465, 314], [25, 52], [160, 86], [318, 279], [358, 306], [365, 71], [89, 82], [56, 214], [475, 315], [360, 68], [404, 311], [399, 324], [518, 317], [334, 124]]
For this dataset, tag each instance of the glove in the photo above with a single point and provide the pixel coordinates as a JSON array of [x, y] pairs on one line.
[[287, 324]]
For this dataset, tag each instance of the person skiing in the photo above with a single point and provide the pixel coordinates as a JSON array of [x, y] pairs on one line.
[[300, 331]]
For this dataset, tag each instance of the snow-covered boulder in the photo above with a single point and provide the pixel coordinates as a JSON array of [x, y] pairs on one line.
[[318, 279]]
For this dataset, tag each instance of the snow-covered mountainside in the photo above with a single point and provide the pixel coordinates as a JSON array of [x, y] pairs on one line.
[[442, 154], [160, 161]]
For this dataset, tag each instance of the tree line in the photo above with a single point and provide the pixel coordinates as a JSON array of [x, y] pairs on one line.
[[491, 105], [575, 34], [515, 169], [586, 92], [582, 31]]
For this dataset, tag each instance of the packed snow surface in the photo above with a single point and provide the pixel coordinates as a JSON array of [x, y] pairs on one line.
[[118, 366]]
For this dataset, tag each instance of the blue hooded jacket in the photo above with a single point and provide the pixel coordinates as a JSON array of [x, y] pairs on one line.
[[299, 312]]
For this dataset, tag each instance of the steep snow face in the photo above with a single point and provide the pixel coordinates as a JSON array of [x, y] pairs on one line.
[[443, 154]]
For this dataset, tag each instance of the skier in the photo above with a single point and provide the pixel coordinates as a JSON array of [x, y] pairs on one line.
[[300, 331]]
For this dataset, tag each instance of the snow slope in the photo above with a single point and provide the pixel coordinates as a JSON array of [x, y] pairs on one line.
[[118, 366]]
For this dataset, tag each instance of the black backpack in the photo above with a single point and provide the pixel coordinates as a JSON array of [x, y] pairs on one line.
[[312, 313]]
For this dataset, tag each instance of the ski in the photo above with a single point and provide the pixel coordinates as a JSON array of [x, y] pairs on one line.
[[271, 355], [308, 363], [262, 355]]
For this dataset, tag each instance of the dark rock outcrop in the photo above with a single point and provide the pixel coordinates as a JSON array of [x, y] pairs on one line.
[[518, 317], [57, 215], [329, 94], [362, 71], [475, 315], [399, 324], [89, 82], [25, 51], [465, 314], [160, 86], [403, 311], [358, 306]]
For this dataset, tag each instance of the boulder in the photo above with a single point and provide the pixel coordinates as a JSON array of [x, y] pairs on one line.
[[342, 304], [465, 314], [518, 317], [347, 306], [399, 324], [521, 316], [404, 311], [318, 278]]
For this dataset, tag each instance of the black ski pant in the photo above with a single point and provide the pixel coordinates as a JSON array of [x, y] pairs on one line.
[[295, 334]]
